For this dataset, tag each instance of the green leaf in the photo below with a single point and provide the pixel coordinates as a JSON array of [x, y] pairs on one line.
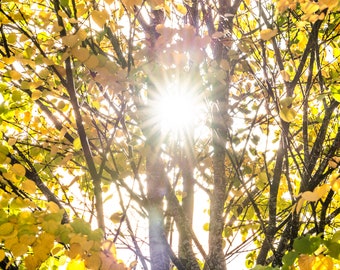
[[333, 249], [335, 91], [287, 114], [290, 257], [81, 226], [336, 236], [306, 244]]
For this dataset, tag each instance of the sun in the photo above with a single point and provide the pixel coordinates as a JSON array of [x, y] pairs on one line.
[[176, 111]]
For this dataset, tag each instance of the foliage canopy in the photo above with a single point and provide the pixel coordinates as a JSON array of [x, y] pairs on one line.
[[213, 125]]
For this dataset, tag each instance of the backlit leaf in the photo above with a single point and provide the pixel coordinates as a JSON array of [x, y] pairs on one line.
[[310, 196], [92, 62], [286, 102], [29, 186], [6, 228], [116, 217], [100, 17], [2, 254], [77, 144], [18, 170], [267, 34], [70, 40], [82, 54], [15, 75], [76, 265], [306, 262], [323, 263], [12, 38], [329, 4], [180, 8], [287, 114], [334, 162], [322, 190], [18, 249], [32, 262], [53, 207], [93, 261]]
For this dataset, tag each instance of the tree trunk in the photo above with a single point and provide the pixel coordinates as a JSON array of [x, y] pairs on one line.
[[156, 189], [216, 258]]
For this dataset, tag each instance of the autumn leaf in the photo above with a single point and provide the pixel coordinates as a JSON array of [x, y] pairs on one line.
[[76, 265], [100, 17], [317, 193], [29, 186], [323, 263], [286, 102], [334, 162], [82, 54], [287, 114], [18, 170], [6, 228], [306, 262], [267, 34], [116, 217], [2, 254], [329, 4]]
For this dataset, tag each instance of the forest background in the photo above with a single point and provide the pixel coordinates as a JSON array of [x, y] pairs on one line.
[[179, 135]]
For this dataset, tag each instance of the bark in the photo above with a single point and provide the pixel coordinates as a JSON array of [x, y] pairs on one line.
[[156, 189], [216, 258]]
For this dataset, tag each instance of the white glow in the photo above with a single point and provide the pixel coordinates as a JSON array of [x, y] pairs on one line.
[[176, 111]]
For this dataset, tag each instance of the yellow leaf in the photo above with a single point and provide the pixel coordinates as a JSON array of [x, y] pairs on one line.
[[32, 262], [287, 114], [75, 250], [77, 144], [109, 248], [334, 162], [11, 141], [92, 62], [82, 54], [267, 34], [330, 4], [18, 249], [93, 261], [15, 75], [70, 40], [336, 185], [81, 34], [27, 239], [29, 186], [76, 265], [53, 207], [334, 181], [36, 94], [322, 190], [298, 206], [310, 196], [2, 254], [12, 38], [306, 262], [285, 75], [100, 17], [180, 8], [323, 263], [6, 228], [18, 170], [116, 217], [309, 7], [286, 102]]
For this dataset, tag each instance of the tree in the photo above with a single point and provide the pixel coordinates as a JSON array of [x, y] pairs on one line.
[[90, 150]]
